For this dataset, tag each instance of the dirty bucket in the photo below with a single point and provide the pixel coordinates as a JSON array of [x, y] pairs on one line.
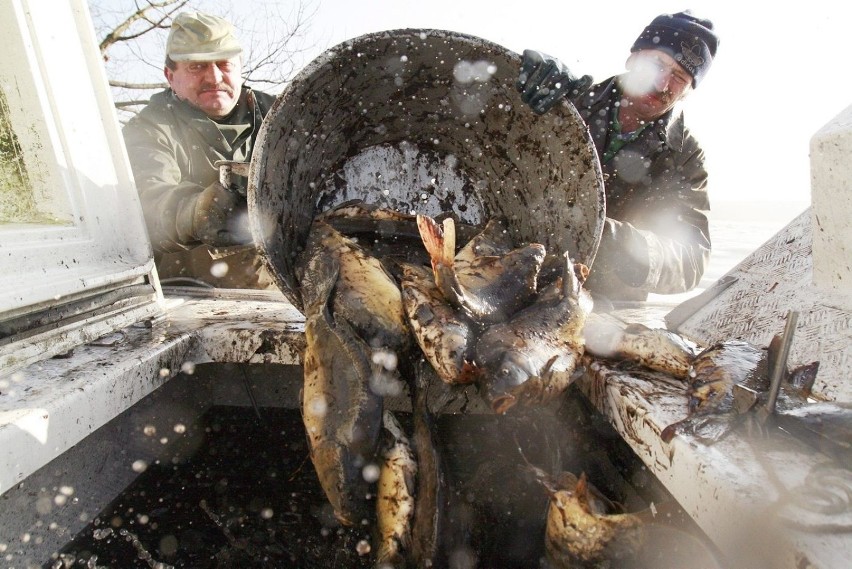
[[421, 121]]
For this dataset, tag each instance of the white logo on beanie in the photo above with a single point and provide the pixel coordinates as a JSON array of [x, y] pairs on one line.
[[690, 56]]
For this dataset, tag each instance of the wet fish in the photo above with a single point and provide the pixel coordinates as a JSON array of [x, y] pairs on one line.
[[584, 528], [485, 279], [718, 370], [385, 232], [428, 538], [532, 356], [395, 497], [341, 414], [365, 294], [443, 333], [655, 348]]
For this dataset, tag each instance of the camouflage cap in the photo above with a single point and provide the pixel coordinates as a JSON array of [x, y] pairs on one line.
[[201, 37]]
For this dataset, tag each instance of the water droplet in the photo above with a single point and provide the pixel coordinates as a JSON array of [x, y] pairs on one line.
[[219, 269], [363, 547], [371, 473]]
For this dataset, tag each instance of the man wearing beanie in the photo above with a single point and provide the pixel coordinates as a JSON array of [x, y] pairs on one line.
[[199, 228], [656, 236]]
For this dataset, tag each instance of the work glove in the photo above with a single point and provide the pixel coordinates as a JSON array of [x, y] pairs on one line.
[[544, 80], [217, 216]]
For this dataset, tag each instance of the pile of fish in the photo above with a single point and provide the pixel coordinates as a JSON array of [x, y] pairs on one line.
[[391, 300], [382, 291]]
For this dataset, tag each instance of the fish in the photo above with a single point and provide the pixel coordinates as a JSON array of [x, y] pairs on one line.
[[486, 280], [395, 496], [444, 334], [428, 534], [365, 294], [658, 349], [342, 415], [583, 527], [719, 370], [532, 356], [385, 232]]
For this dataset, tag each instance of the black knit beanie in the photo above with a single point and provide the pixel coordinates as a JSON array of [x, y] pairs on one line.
[[688, 39]]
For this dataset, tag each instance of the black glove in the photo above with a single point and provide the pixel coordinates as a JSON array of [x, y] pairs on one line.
[[544, 80], [220, 217]]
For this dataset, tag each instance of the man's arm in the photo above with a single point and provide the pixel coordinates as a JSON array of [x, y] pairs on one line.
[[664, 248], [180, 213]]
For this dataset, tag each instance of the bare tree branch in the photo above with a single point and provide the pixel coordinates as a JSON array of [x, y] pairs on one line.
[[119, 33], [144, 86]]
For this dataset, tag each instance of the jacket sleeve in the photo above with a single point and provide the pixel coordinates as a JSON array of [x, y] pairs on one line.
[[664, 248], [167, 201]]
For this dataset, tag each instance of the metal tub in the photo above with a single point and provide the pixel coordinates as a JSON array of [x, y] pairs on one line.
[[422, 121]]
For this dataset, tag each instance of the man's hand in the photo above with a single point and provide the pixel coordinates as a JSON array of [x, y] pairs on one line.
[[220, 217], [544, 80]]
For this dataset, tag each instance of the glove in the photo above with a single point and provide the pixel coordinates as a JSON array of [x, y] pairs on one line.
[[217, 216], [544, 80]]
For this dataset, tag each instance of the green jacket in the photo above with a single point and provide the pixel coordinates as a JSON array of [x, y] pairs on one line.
[[172, 147], [657, 236]]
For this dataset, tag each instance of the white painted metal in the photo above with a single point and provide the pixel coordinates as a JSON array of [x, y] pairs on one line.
[[49, 406], [92, 234], [831, 184]]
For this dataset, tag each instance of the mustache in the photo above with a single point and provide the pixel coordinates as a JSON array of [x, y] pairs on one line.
[[218, 87], [665, 97]]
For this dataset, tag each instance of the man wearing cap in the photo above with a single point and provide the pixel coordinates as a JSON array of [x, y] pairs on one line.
[[199, 228], [656, 236]]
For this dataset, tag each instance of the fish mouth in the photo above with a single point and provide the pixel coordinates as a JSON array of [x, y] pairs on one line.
[[503, 403]]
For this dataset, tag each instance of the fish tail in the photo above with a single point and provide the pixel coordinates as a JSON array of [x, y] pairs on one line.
[[435, 240]]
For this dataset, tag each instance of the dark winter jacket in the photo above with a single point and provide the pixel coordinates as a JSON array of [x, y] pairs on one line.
[[656, 237], [172, 147]]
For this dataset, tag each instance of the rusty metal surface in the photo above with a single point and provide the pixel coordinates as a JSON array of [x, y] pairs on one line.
[[421, 121], [773, 280]]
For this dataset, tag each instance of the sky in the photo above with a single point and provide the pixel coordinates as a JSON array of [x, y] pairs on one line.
[[779, 75], [778, 78]]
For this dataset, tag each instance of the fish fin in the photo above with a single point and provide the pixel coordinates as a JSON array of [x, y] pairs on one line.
[[571, 284], [433, 240], [449, 241], [802, 378]]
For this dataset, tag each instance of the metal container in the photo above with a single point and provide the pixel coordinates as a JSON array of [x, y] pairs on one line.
[[422, 121]]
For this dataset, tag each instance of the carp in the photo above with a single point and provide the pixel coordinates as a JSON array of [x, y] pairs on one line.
[[532, 356], [655, 348], [584, 528], [718, 370], [428, 534], [486, 279], [444, 334], [385, 233], [364, 294], [395, 496], [341, 414]]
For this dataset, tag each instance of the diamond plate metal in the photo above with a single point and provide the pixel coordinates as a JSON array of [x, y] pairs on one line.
[[774, 279]]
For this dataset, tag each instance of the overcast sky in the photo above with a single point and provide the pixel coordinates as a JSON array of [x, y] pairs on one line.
[[779, 76]]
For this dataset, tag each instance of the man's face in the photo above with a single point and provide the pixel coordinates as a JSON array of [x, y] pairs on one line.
[[212, 86], [654, 83]]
